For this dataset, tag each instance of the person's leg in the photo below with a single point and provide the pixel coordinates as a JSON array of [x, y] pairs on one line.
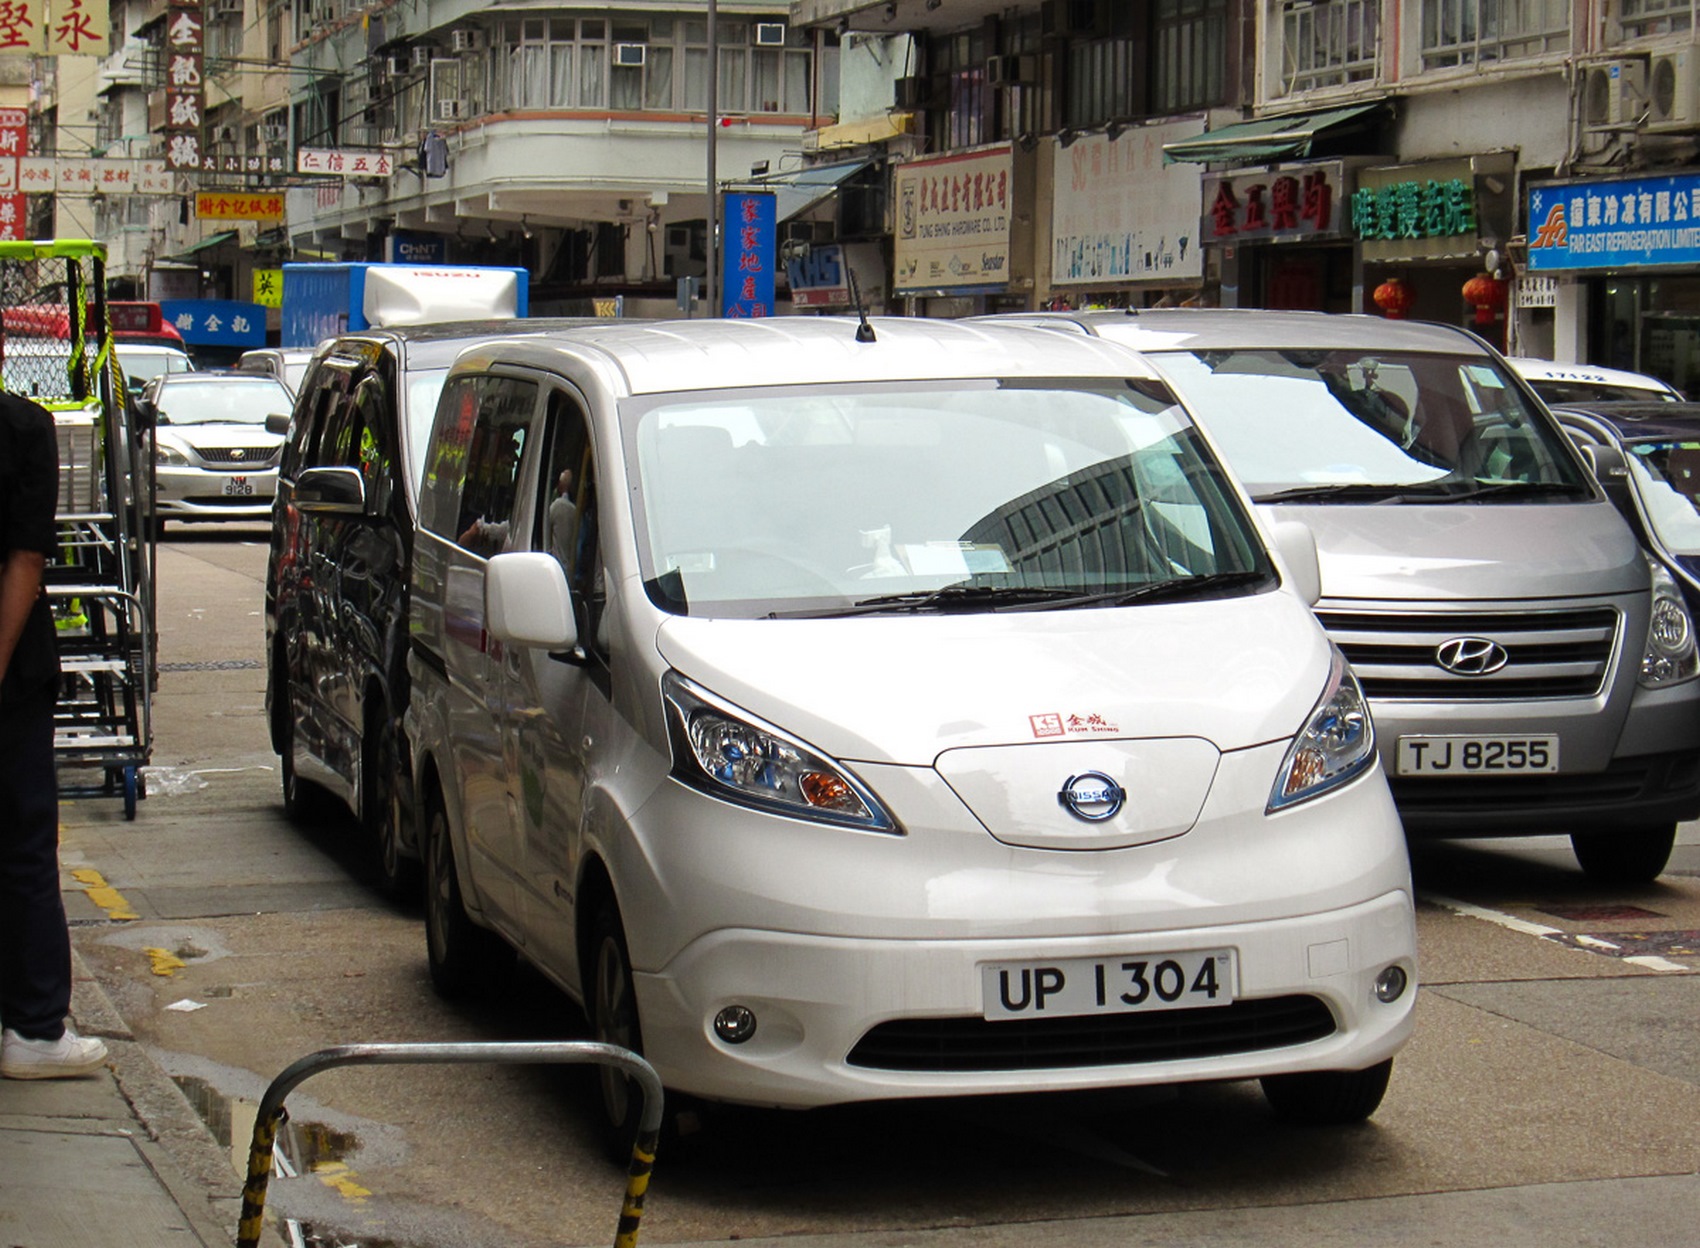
[[35, 945]]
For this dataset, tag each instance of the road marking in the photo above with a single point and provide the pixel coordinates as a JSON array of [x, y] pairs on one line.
[[1510, 922], [103, 894], [164, 962]]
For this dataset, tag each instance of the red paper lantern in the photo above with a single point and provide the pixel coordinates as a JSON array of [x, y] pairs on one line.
[[1394, 298], [1486, 294]]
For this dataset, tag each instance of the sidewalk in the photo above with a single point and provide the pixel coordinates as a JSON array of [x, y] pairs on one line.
[[79, 1170]]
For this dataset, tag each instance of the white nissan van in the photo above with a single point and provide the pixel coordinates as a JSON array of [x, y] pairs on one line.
[[1532, 670], [847, 711]]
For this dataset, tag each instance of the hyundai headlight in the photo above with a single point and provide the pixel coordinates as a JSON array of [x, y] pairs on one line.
[[727, 754], [1337, 742], [1670, 655]]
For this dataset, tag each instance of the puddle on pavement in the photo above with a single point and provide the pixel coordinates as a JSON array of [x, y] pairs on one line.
[[306, 1148]]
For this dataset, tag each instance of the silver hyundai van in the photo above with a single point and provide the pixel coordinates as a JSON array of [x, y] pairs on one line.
[[854, 711], [1530, 668]]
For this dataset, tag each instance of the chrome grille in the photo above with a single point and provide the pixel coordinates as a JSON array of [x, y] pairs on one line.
[[241, 456], [1549, 654]]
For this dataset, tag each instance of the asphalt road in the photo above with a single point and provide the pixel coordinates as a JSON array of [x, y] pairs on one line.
[[1550, 1096]]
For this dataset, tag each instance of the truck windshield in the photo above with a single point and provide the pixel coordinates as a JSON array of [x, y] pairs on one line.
[[1668, 485], [959, 496], [1352, 425]]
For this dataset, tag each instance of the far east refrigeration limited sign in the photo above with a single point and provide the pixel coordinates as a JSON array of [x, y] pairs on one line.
[[953, 222], [1609, 223]]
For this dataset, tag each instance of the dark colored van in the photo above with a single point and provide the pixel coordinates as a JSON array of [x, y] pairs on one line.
[[336, 581]]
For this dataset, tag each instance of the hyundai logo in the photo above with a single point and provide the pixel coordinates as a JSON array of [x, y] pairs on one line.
[[1471, 656], [1092, 796]]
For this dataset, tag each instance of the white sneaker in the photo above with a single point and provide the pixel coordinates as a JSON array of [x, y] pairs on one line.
[[65, 1058]]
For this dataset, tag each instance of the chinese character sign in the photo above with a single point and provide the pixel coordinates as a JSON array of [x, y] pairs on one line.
[[217, 322], [185, 85], [1615, 222], [14, 200], [747, 263], [345, 162], [268, 288], [239, 205], [23, 26], [953, 215], [77, 28], [1278, 203]]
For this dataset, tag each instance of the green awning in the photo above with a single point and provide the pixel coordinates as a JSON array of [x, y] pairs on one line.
[[206, 244], [1269, 138]]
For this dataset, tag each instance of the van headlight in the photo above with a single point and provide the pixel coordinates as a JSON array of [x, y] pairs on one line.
[[1337, 742], [1670, 656], [728, 754], [166, 453]]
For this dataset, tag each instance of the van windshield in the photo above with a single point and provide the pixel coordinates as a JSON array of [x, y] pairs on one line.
[[949, 496], [1356, 426]]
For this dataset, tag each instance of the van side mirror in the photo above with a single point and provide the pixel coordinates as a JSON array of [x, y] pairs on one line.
[[527, 602], [1296, 545], [331, 491], [278, 423]]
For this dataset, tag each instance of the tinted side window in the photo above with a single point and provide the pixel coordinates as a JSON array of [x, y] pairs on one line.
[[311, 411], [482, 423]]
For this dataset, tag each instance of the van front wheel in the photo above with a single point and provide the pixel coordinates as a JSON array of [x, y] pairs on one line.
[[460, 952], [612, 1002], [1634, 855]]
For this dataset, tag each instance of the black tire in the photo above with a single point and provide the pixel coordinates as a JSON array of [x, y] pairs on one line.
[[461, 954], [611, 1007], [303, 802], [1327, 1098], [383, 811], [1634, 855]]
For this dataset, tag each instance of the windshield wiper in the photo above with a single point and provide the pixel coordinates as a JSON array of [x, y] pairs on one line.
[[1354, 491], [1180, 587], [1479, 490]]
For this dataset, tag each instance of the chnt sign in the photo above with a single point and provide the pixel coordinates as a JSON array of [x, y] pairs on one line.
[[1615, 223], [1283, 203]]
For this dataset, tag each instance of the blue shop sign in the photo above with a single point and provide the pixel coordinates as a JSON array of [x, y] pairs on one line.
[[217, 322], [1610, 223], [751, 224], [408, 248]]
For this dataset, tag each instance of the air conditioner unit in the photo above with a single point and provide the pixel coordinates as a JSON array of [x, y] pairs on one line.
[[396, 66], [911, 93], [629, 54], [226, 8], [451, 110], [1614, 94], [273, 133], [466, 40], [224, 134], [1009, 71], [1673, 90], [770, 34], [420, 57]]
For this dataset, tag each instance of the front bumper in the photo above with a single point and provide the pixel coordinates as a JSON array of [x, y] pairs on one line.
[[200, 494], [843, 1020]]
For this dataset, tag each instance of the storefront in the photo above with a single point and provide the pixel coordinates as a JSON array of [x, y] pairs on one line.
[[1626, 252], [1124, 221], [1280, 236], [952, 248], [1436, 230]]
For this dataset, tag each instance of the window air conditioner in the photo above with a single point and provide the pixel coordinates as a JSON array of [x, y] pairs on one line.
[[396, 66], [1614, 94], [1007, 71], [224, 134], [273, 133], [1673, 91], [451, 110], [770, 34], [629, 54], [420, 57], [466, 40]]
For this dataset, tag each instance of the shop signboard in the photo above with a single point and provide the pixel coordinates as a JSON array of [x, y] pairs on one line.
[[1534, 291], [834, 275], [1120, 214], [217, 322], [1615, 223], [1288, 202], [953, 215], [1433, 210], [747, 281]]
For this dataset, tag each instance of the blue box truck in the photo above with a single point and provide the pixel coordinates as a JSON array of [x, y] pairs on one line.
[[323, 300]]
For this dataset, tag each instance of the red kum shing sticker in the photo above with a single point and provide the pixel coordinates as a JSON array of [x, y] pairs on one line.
[[1072, 725]]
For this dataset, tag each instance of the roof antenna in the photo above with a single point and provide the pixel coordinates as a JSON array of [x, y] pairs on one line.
[[864, 331]]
